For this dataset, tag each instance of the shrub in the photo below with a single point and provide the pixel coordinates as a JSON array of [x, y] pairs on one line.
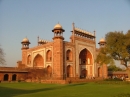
[[115, 79]]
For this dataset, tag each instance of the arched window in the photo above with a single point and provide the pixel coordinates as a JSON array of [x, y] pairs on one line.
[[49, 71], [69, 71], [69, 55], [29, 59], [14, 77], [38, 61], [6, 77], [49, 56]]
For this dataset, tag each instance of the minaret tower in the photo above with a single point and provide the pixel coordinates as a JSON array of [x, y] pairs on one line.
[[58, 61], [25, 45], [103, 69]]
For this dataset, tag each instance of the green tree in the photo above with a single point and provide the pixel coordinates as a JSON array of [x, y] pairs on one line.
[[117, 47], [2, 60], [103, 57]]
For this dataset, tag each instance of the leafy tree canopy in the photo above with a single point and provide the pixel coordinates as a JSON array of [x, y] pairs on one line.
[[117, 47], [104, 58]]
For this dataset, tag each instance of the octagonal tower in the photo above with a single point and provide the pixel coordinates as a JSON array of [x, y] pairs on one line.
[[58, 47]]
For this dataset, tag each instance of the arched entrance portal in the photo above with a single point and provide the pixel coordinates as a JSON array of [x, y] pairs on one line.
[[85, 63], [69, 71], [38, 61], [14, 76], [6, 77]]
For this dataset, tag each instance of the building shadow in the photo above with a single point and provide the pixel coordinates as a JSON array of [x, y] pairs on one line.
[[11, 92]]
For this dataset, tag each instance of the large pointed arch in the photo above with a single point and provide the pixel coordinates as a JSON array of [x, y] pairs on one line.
[[85, 57], [38, 61], [85, 63]]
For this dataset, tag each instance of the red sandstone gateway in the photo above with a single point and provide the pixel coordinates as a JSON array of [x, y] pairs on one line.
[[59, 59]]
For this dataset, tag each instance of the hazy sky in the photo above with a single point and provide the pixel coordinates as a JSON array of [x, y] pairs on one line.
[[32, 18]]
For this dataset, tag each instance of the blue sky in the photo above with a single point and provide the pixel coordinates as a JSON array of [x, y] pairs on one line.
[[32, 18]]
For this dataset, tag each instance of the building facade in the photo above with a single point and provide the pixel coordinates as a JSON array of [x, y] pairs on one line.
[[64, 59]]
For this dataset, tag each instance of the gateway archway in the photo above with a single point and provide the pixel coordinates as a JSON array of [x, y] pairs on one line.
[[38, 61], [85, 63]]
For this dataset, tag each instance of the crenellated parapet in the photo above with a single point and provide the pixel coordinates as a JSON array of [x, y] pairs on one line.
[[41, 41], [83, 33]]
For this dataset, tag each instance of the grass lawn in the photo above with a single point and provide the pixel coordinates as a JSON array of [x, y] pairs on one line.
[[100, 89]]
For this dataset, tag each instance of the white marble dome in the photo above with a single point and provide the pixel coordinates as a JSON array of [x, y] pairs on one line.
[[25, 40], [58, 26], [102, 40]]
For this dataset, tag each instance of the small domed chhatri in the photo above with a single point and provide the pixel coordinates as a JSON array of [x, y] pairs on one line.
[[58, 26], [102, 42], [25, 43], [58, 29], [25, 40]]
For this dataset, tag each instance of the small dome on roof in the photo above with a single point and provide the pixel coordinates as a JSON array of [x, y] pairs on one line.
[[25, 40], [102, 40], [58, 26]]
